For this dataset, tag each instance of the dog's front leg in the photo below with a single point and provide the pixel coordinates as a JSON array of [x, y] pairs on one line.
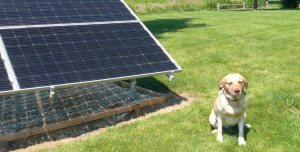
[[220, 125], [241, 124]]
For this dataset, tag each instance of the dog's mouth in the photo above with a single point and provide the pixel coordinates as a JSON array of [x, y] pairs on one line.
[[235, 97], [236, 94]]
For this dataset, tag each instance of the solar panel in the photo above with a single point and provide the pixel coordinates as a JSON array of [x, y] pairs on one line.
[[36, 12], [60, 43], [69, 54]]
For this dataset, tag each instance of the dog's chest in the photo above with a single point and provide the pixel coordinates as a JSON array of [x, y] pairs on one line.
[[231, 120], [232, 114], [234, 111]]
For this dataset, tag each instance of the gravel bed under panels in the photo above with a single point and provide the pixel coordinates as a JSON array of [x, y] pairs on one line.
[[24, 111]]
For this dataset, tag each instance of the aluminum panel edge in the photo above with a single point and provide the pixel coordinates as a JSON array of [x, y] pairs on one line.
[[8, 66], [65, 24], [132, 13], [82, 83], [158, 43]]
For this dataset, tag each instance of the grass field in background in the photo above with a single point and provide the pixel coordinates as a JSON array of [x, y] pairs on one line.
[[263, 46], [146, 7], [147, 1]]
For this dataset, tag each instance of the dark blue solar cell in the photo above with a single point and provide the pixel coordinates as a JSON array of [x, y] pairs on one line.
[[41, 80], [147, 68], [85, 76], [56, 79], [26, 82], [65, 66], [111, 72], [135, 69], [52, 68], [98, 74], [71, 77], [92, 64]]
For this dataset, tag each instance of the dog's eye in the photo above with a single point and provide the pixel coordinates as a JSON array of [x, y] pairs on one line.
[[240, 82], [230, 83]]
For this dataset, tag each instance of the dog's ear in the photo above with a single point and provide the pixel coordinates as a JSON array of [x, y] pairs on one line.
[[245, 83], [222, 84]]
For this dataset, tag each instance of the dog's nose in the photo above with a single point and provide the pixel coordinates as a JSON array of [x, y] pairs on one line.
[[237, 90]]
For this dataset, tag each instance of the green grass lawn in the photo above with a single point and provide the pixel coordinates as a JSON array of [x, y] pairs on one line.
[[263, 46]]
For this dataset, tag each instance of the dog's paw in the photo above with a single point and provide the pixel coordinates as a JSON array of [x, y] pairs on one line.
[[242, 141], [248, 126], [220, 138], [214, 131]]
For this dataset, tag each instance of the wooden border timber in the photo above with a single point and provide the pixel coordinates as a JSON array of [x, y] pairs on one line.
[[88, 118], [244, 6]]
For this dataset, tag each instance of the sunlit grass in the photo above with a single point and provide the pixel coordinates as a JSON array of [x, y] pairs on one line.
[[263, 46]]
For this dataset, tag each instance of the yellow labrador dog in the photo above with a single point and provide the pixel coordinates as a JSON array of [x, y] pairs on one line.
[[230, 105]]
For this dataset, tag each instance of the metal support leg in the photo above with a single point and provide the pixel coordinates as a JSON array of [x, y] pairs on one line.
[[170, 75], [133, 89], [51, 91]]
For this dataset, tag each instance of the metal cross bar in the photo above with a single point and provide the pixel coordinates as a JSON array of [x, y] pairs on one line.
[[170, 75]]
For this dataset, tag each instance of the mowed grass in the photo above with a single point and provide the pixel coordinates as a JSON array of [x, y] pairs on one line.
[[264, 46]]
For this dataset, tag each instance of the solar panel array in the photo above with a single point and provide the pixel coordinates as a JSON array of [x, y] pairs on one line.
[[36, 12], [68, 53]]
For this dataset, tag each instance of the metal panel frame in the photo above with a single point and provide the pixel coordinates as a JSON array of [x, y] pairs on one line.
[[132, 13], [82, 83], [13, 78], [8, 66], [66, 24]]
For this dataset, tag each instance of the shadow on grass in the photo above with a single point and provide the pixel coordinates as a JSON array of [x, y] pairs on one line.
[[68, 99], [152, 84], [160, 26], [234, 131]]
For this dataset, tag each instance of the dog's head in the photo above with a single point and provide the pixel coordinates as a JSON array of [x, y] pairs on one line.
[[233, 85]]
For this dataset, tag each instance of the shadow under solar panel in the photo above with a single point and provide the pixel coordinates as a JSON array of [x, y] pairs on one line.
[[45, 56], [37, 12]]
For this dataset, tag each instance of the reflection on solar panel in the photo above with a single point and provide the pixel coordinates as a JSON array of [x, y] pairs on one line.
[[60, 43], [35, 12]]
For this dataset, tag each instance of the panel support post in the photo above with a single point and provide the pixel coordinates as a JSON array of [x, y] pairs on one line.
[[244, 5], [170, 75], [218, 6], [51, 91], [137, 108], [133, 89]]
